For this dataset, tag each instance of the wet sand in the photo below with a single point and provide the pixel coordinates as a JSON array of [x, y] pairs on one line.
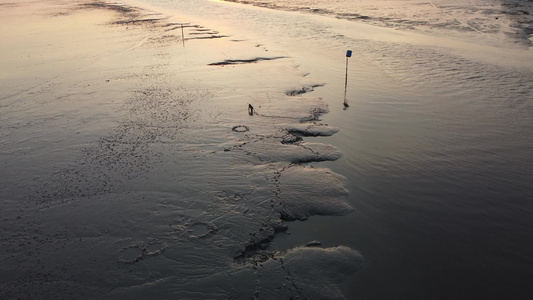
[[132, 169]]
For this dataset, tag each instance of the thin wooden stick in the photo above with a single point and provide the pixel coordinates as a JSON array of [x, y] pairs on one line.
[[182, 36]]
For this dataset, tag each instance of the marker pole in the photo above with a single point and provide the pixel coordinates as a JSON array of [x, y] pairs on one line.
[[182, 36], [348, 55]]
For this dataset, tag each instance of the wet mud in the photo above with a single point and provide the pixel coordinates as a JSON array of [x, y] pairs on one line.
[[158, 186], [244, 61]]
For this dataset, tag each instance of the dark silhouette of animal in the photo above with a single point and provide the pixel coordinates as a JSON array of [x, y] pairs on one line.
[[250, 110]]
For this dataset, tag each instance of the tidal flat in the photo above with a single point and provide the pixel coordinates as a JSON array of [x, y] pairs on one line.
[[131, 168]]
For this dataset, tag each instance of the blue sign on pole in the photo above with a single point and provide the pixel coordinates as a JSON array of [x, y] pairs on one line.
[[349, 53]]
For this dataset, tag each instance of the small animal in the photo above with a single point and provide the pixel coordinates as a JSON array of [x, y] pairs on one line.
[[250, 110]]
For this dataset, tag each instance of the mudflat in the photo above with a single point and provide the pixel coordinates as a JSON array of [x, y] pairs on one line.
[[131, 168]]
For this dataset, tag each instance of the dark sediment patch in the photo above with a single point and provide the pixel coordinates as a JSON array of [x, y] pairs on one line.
[[213, 33], [178, 26], [137, 21], [303, 90], [350, 16], [128, 15], [110, 6], [244, 61], [201, 33], [184, 24], [208, 37], [254, 251], [315, 114], [291, 139]]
